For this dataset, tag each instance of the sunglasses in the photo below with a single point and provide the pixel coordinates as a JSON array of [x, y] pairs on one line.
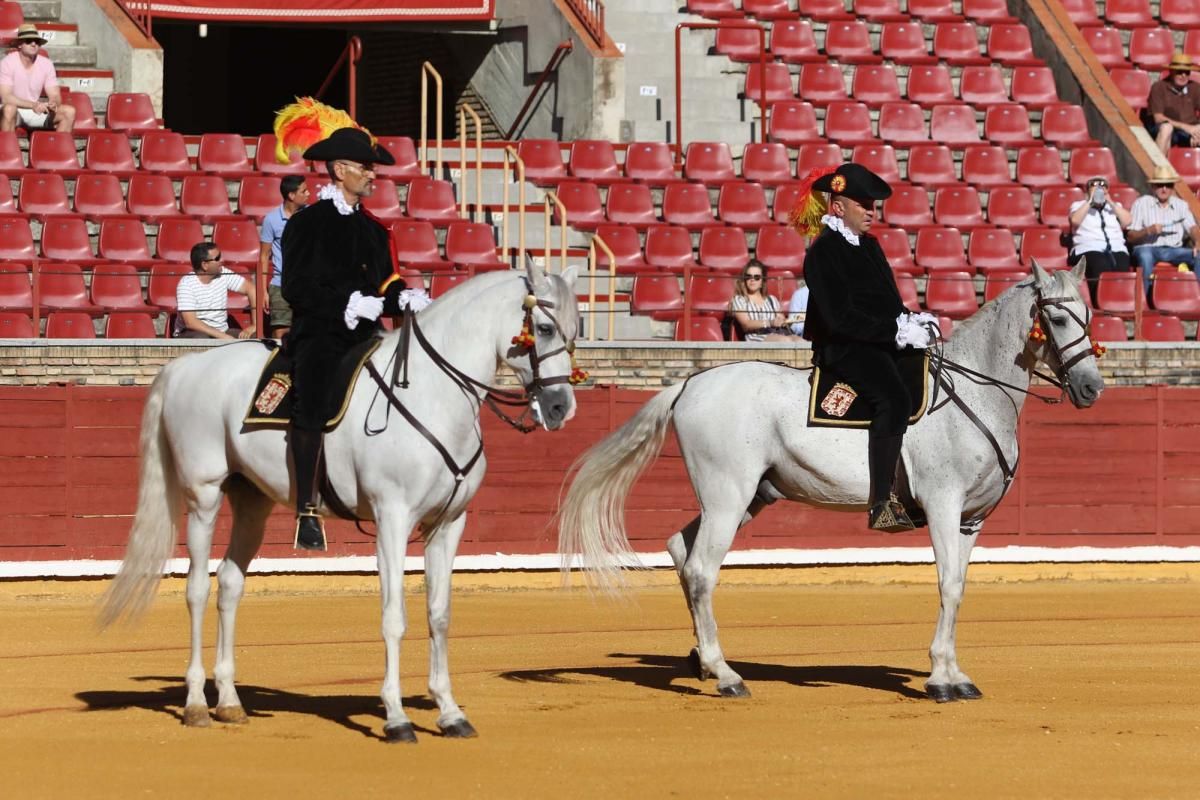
[[1098, 183], [753, 277]]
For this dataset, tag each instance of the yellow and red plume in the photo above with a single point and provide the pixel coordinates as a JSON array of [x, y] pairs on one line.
[[300, 125], [811, 205]]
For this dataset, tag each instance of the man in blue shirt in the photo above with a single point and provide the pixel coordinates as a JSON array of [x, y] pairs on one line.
[[270, 254]]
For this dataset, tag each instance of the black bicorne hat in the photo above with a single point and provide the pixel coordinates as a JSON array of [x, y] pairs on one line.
[[351, 144], [856, 182]]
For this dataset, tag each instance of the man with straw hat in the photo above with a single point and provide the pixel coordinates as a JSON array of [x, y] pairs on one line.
[[25, 75], [1160, 220], [1173, 111]]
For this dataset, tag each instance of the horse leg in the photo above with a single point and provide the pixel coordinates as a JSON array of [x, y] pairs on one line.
[[204, 502], [440, 547], [250, 510], [952, 543], [391, 545]]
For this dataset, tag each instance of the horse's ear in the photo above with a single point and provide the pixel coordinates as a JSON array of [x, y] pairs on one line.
[[571, 275], [536, 273], [1079, 270], [1040, 275]]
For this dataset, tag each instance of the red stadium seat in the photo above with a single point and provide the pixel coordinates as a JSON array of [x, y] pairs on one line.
[[1042, 245], [821, 9], [404, 151], [205, 197], [991, 249], [931, 165], [223, 154], [902, 123], [1186, 161], [129, 325], [957, 43], [265, 161], [11, 17], [12, 162], [650, 163], [743, 204], [383, 203], [939, 249], [1107, 328], [767, 9], [1125, 195], [442, 282], [669, 247], [773, 79], [988, 12], [16, 288], [1033, 86], [1000, 281], [848, 123], [43, 193], [594, 160], [433, 200], [1177, 293], [108, 151], [1106, 45], [8, 204], [701, 329], [1151, 48], [65, 239], [785, 200], [880, 10], [933, 11], [952, 294], [1011, 207], [238, 240], [165, 151], [472, 245], [258, 196], [792, 41], [631, 204], [582, 201], [812, 156], [1008, 125], [163, 279], [958, 206], [894, 242], [1179, 14], [982, 86], [709, 163], [1063, 125], [1129, 14], [908, 207], [904, 43], [62, 288], [713, 9], [929, 84], [985, 165], [821, 84], [724, 249], [1056, 205], [793, 122], [656, 294], [766, 163], [780, 247], [16, 239], [175, 238], [1134, 85], [69, 325], [1009, 43], [1087, 162], [415, 244], [907, 286], [1040, 167], [16, 325], [687, 204], [1082, 12], [1116, 293], [738, 42], [543, 161], [875, 84], [709, 293], [123, 239], [627, 249], [953, 125], [152, 197], [849, 41], [130, 111], [118, 287], [52, 151], [98, 196], [880, 159], [1161, 328], [782, 285]]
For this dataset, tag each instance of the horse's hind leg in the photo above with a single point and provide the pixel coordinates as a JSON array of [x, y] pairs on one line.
[[952, 549], [250, 510], [440, 547], [203, 504]]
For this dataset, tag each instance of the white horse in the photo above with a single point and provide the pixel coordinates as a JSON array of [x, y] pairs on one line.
[[743, 434], [195, 449]]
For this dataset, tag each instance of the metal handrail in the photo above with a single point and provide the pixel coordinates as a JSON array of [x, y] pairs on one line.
[[427, 69], [140, 14], [351, 54], [612, 287], [590, 14], [552, 202], [463, 110], [556, 58], [510, 152], [762, 84]]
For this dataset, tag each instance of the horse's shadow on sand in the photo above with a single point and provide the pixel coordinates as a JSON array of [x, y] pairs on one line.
[[662, 673], [259, 701]]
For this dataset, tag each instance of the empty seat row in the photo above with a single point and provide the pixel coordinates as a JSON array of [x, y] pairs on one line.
[[123, 239], [1149, 48], [113, 287], [990, 11]]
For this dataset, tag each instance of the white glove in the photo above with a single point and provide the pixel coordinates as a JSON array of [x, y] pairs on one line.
[[913, 330], [359, 306], [416, 299]]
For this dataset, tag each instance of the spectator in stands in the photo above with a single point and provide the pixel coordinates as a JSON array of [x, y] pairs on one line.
[[758, 314], [1173, 108], [797, 308], [1098, 224], [270, 254], [24, 76], [1160, 220], [202, 298]]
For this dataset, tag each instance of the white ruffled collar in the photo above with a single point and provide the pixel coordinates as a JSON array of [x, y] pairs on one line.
[[330, 191], [835, 223]]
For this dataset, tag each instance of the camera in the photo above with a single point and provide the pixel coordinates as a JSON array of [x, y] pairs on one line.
[[1098, 196]]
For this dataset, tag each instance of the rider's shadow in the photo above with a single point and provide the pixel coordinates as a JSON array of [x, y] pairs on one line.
[[259, 702], [661, 672]]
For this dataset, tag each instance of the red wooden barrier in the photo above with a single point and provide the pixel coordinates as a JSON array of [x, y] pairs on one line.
[[1126, 472]]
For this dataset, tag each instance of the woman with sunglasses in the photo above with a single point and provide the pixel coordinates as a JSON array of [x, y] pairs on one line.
[[1098, 224], [758, 314]]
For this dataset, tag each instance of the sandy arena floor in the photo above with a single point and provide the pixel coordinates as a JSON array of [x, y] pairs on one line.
[[1090, 676]]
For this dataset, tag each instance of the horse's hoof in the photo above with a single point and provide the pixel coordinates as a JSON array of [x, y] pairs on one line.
[[734, 690], [232, 715], [940, 692], [196, 717], [967, 691], [698, 670], [459, 730], [400, 733]]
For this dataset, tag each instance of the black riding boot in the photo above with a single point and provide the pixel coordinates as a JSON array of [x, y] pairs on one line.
[[887, 512], [306, 453]]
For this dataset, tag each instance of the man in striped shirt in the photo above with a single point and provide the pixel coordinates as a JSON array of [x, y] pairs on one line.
[[202, 298], [1160, 220]]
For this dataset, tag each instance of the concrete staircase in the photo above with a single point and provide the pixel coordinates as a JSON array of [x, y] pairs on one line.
[[74, 61]]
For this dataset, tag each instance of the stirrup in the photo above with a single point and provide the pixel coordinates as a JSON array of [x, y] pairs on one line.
[[310, 530], [889, 517]]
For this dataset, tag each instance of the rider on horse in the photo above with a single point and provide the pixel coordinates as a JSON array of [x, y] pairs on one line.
[[857, 323]]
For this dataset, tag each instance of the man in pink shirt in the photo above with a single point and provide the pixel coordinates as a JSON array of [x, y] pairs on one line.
[[24, 77]]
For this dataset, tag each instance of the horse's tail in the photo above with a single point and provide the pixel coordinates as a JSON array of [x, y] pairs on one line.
[[155, 525], [591, 520]]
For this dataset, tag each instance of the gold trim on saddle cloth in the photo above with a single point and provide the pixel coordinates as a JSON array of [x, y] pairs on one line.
[[267, 400], [837, 401]]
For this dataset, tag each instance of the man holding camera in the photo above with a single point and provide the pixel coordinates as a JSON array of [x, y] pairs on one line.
[[1098, 224]]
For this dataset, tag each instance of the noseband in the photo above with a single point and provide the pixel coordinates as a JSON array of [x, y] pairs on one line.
[[525, 342], [1042, 323]]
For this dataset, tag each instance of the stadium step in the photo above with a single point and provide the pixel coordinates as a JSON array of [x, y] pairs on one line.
[[41, 10]]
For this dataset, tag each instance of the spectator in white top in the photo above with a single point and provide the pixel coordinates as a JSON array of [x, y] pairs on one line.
[[1160, 220], [202, 298], [1098, 224], [798, 308]]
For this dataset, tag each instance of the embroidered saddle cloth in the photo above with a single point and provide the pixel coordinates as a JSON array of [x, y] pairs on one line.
[[833, 404], [272, 401]]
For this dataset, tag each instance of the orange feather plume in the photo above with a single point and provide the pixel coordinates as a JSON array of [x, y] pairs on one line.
[[811, 205], [300, 125]]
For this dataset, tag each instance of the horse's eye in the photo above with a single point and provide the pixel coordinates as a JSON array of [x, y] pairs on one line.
[[1058, 321], [545, 329]]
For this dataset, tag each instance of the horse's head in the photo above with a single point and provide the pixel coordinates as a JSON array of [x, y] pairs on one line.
[[542, 354], [1061, 333]]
